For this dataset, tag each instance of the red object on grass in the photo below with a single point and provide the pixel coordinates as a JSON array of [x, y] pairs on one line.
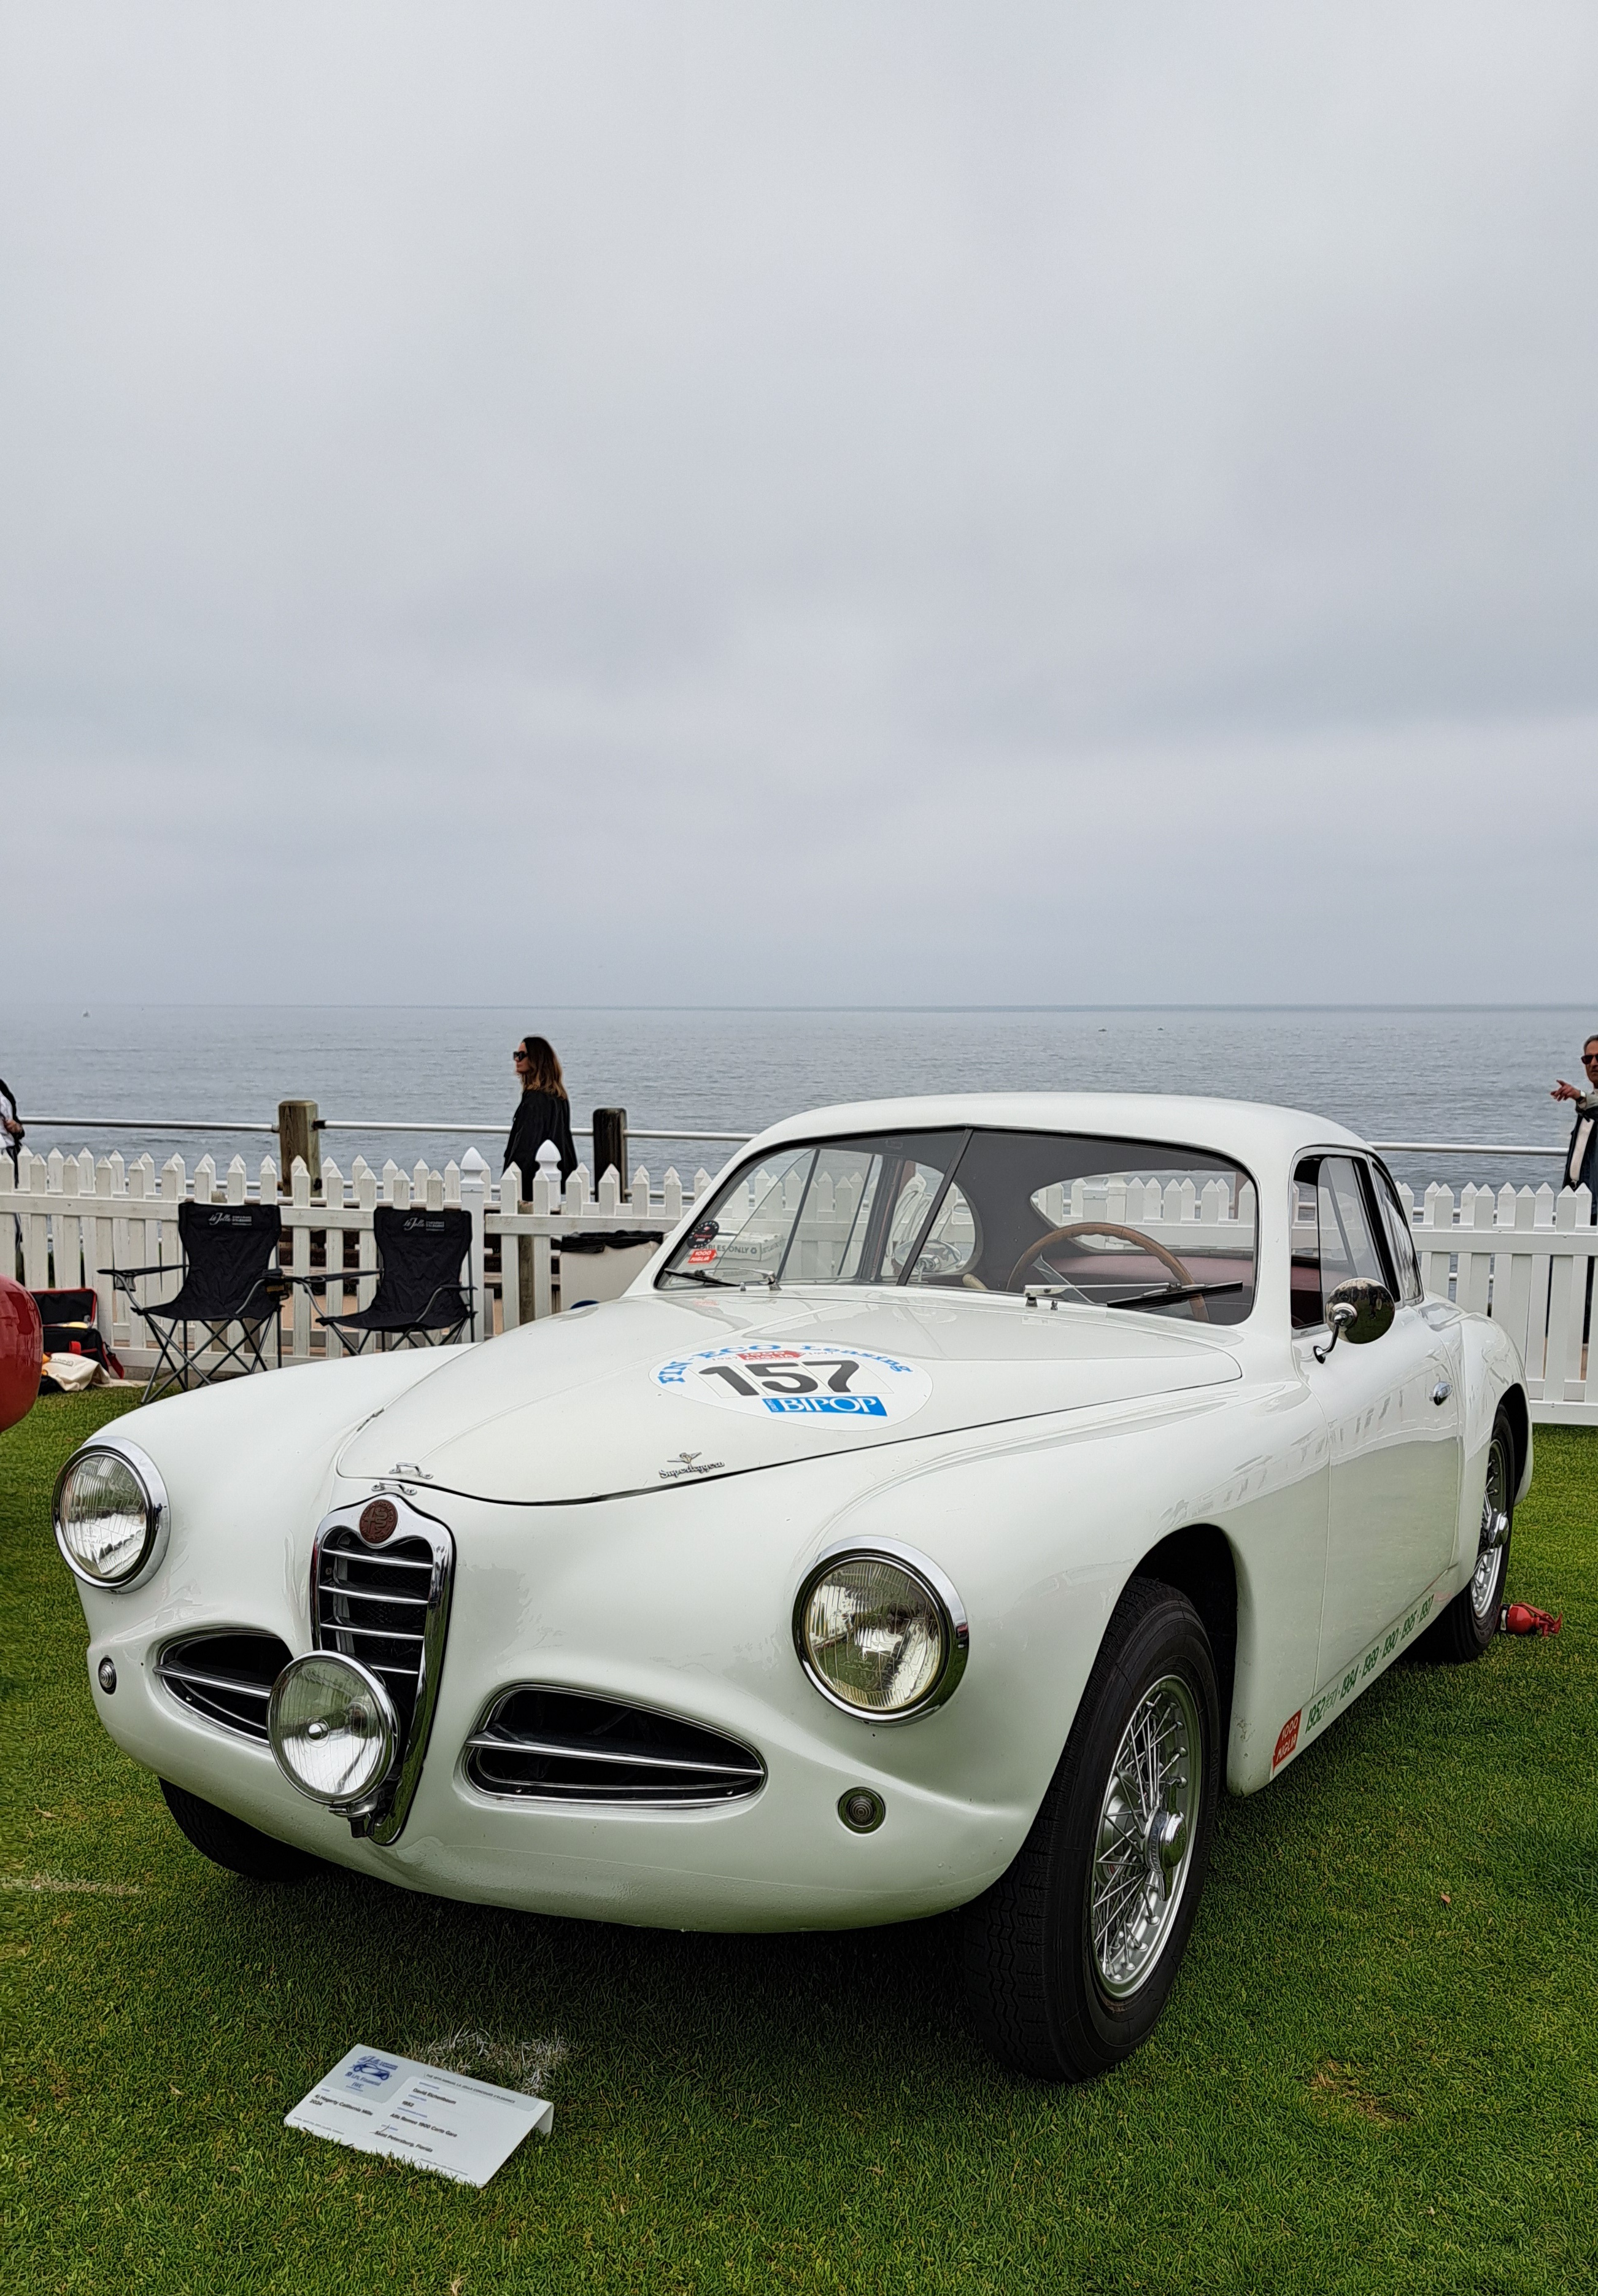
[[1526, 1619], [21, 1352]]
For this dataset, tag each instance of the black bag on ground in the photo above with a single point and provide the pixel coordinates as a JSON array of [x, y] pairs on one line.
[[68, 1317]]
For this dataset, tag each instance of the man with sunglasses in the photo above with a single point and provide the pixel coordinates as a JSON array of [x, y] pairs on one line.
[[1581, 1157], [1582, 1154]]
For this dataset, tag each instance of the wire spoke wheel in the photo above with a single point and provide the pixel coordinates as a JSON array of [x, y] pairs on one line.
[[1071, 1954], [1494, 1529], [1146, 1836]]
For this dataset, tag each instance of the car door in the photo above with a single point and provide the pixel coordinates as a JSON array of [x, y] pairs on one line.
[[1392, 1409]]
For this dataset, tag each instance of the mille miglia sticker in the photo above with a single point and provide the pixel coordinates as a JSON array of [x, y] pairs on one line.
[[807, 1380], [1310, 1721]]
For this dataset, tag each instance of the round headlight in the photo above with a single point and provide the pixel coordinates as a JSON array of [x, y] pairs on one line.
[[109, 1516], [332, 1728], [881, 1635]]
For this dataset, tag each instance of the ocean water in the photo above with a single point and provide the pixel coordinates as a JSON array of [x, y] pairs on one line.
[[1392, 1073]]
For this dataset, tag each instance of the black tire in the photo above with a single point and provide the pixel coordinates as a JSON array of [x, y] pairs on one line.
[[1466, 1628], [227, 1840], [1036, 1983]]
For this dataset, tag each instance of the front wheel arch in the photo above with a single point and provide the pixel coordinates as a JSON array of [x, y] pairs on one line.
[[1198, 1563]]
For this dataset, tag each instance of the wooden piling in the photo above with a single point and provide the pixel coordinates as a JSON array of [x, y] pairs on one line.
[[611, 1145], [298, 1135]]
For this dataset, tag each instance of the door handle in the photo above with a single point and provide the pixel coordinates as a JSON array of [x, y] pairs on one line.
[[1442, 1390]]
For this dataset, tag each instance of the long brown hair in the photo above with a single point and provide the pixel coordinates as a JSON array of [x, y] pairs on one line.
[[542, 1067]]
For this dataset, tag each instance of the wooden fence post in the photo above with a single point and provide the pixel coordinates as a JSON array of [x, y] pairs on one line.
[[611, 1145], [474, 1202], [297, 1135]]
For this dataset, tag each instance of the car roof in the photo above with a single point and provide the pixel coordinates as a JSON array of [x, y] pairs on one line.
[[1253, 1133]]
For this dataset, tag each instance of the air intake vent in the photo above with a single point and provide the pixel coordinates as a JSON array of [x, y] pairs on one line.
[[561, 1745], [227, 1677], [385, 1602]]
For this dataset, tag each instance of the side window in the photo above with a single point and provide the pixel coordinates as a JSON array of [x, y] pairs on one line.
[[951, 1248], [1305, 1302], [1332, 1235], [1348, 1245], [1401, 1243]]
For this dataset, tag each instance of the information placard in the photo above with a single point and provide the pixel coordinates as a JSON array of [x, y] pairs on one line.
[[380, 2103]]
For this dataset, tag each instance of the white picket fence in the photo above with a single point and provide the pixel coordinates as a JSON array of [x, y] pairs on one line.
[[1519, 1255], [69, 1220]]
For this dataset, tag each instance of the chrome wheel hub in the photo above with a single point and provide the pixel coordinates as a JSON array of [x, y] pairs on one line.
[[1144, 1849], [1495, 1530]]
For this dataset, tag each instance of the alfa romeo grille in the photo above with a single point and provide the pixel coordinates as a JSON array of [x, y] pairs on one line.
[[374, 1607], [227, 1677], [385, 1600], [561, 1745]]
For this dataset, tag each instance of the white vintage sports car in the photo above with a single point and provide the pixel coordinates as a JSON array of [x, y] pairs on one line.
[[962, 1488]]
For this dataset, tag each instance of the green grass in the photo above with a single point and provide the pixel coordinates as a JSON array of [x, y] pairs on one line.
[[1377, 2072]]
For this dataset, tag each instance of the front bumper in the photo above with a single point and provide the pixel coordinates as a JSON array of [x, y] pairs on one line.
[[593, 1599], [782, 1859]]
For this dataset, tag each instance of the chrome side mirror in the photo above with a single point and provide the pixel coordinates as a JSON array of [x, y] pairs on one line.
[[1359, 1311]]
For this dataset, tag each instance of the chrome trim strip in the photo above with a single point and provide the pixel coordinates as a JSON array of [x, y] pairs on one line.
[[639, 1797], [365, 1553], [616, 1760], [379, 1634], [214, 1681]]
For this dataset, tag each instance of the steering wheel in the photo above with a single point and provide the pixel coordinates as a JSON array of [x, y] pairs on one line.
[[1107, 1227]]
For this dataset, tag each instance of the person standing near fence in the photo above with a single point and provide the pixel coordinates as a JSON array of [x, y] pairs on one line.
[[543, 1113], [11, 1128], [1581, 1157]]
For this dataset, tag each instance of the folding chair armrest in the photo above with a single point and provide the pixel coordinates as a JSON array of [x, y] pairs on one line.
[[466, 1290], [157, 1267]]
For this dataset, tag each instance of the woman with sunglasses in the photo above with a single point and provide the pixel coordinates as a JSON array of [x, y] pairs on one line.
[[544, 1112]]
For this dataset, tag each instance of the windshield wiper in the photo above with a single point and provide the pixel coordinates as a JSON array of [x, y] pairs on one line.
[[1172, 1292], [698, 1275]]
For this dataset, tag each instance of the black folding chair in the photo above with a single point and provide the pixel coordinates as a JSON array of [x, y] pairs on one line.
[[228, 1278], [420, 1295]]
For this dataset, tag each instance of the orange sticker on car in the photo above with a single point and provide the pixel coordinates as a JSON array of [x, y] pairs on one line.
[[1287, 1740]]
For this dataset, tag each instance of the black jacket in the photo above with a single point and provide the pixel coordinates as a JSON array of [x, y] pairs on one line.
[[540, 1116], [1587, 1177]]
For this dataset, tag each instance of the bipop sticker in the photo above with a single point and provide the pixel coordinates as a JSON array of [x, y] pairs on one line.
[[808, 1381], [1287, 1740]]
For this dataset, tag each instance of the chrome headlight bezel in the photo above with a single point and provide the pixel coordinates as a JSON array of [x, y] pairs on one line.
[[944, 1598], [158, 1513], [370, 1796]]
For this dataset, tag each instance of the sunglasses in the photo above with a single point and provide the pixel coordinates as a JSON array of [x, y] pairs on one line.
[[520, 1055]]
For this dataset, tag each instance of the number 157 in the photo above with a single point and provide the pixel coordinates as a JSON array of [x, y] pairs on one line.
[[784, 1379]]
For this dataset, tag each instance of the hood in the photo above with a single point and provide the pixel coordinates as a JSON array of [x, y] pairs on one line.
[[660, 1388]]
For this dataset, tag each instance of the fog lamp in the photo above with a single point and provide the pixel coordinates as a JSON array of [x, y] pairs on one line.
[[110, 1515], [333, 1729], [880, 1633]]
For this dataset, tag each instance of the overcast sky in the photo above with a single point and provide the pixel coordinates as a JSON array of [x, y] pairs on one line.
[[799, 502]]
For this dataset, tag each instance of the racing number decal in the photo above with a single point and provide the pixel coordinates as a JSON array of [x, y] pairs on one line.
[[784, 1379], [801, 1381]]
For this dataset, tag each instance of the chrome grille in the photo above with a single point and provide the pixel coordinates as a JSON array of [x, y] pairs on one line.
[[388, 1605], [374, 1607], [227, 1677], [538, 1744]]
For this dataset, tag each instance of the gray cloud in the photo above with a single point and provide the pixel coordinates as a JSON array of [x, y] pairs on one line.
[[822, 502]]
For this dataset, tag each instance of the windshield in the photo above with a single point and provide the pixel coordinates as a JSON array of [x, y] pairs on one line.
[[1111, 1223]]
